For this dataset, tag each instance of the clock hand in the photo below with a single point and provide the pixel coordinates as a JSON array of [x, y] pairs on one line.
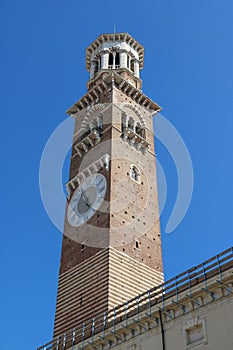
[[85, 198]]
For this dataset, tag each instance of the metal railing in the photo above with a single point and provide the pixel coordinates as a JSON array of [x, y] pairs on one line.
[[172, 288]]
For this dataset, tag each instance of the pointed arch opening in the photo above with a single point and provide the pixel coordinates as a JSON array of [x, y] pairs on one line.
[[110, 60], [135, 174], [117, 60]]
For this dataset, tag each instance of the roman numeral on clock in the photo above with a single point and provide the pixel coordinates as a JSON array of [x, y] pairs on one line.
[[100, 189], [99, 182]]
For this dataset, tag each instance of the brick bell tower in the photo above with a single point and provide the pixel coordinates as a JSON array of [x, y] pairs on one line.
[[111, 249]]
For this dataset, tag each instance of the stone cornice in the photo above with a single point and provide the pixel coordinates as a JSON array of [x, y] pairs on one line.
[[89, 99], [106, 84]]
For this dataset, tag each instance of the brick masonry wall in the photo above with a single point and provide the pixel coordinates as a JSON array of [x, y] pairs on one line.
[[98, 284], [117, 254]]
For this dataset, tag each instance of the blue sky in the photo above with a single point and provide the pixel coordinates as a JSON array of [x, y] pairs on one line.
[[188, 71]]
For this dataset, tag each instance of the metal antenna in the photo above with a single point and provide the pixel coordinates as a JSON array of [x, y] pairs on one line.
[[114, 27]]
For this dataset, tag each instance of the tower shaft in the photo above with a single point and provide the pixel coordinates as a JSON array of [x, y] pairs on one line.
[[111, 248]]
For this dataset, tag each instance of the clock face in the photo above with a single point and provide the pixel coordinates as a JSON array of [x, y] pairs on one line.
[[86, 199]]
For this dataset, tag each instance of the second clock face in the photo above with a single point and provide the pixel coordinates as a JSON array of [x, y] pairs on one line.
[[86, 199]]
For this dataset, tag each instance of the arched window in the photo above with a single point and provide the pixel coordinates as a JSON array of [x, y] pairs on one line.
[[135, 173], [110, 60], [117, 59]]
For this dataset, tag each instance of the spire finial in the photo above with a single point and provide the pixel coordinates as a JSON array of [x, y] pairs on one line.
[[114, 27]]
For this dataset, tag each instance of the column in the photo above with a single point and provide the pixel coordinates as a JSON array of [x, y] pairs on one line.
[[130, 59], [92, 73], [104, 60], [134, 126], [99, 122], [114, 59], [123, 59], [136, 69], [126, 121]]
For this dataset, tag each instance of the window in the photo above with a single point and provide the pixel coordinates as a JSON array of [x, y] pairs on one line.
[[195, 332], [138, 129], [135, 173], [110, 59], [96, 124], [96, 66], [132, 65], [117, 59]]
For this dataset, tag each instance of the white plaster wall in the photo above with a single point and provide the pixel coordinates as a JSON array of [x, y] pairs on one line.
[[219, 331]]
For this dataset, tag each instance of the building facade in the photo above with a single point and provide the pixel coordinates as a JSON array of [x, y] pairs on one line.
[[111, 292], [191, 311]]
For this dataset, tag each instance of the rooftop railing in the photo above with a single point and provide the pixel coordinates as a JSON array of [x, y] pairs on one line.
[[186, 281]]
